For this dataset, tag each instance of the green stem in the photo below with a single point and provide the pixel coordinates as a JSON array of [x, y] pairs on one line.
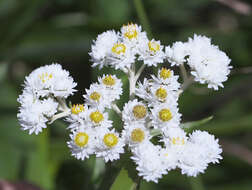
[[142, 16]]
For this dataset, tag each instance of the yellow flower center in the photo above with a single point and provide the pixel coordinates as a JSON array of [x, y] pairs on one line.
[[137, 135], [165, 115], [96, 117], [161, 93], [119, 48], [153, 46], [139, 111], [165, 73], [45, 77], [178, 141], [110, 140], [131, 31], [109, 80], [77, 108], [81, 139], [95, 96]]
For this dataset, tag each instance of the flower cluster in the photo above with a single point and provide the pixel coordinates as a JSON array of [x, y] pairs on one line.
[[151, 128]]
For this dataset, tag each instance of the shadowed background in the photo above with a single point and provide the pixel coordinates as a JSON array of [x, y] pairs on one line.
[[38, 32]]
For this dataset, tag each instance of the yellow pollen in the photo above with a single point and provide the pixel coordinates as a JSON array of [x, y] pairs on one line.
[[161, 93], [77, 108], [81, 139], [95, 96], [178, 141], [137, 135], [165, 115], [119, 48], [109, 80], [131, 31], [96, 117], [153, 46], [45, 77], [110, 140], [165, 73], [139, 111]]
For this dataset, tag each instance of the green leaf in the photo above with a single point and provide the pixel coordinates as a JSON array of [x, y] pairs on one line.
[[122, 182], [189, 126]]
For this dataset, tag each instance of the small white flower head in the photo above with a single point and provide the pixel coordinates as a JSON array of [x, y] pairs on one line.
[[112, 86], [132, 33], [50, 80], [102, 47], [136, 134], [151, 52], [96, 96], [209, 64], [34, 113], [109, 145], [174, 137], [98, 118], [165, 116], [191, 161], [149, 162], [82, 143], [169, 158], [167, 77], [177, 53], [77, 116], [134, 111], [120, 56], [209, 144], [143, 89]]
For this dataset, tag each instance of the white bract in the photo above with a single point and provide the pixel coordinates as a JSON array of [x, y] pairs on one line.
[[150, 118]]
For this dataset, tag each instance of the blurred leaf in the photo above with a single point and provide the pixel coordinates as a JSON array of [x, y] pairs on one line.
[[189, 126], [3, 71], [122, 182]]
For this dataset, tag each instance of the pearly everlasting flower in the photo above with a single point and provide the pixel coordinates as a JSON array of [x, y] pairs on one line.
[[176, 54], [136, 134], [77, 116], [151, 52], [209, 144], [112, 87], [148, 160], [50, 80], [109, 145], [134, 112], [82, 143], [209, 64], [191, 161], [165, 116]]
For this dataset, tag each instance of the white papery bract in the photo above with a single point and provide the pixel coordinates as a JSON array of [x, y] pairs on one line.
[[149, 163], [82, 143], [109, 145], [209, 144], [50, 80]]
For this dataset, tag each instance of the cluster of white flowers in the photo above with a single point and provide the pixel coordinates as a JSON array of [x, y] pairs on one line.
[[152, 110]]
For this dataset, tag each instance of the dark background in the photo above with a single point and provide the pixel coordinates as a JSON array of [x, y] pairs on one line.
[[38, 32]]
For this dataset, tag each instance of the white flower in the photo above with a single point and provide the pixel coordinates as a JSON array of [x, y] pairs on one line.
[[34, 113], [209, 144], [169, 158], [192, 160], [165, 116], [149, 162], [82, 143], [96, 96], [177, 53], [51, 79], [112, 86], [135, 134], [143, 89], [134, 111], [167, 77], [151, 52], [209, 64], [109, 145], [98, 118], [102, 47]]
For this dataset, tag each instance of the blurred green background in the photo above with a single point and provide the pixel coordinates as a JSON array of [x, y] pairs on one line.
[[38, 32]]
